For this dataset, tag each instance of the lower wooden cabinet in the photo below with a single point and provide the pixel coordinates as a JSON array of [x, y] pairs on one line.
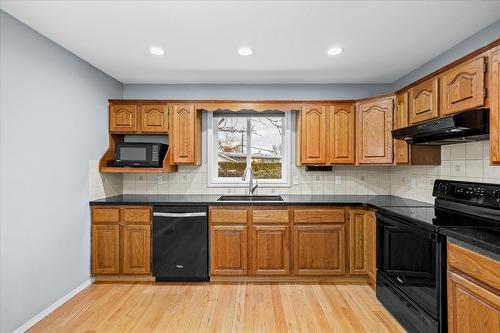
[[359, 243], [228, 250], [319, 249], [270, 250], [372, 246], [121, 240]]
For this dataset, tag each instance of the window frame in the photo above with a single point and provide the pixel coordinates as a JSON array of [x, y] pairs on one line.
[[286, 159]]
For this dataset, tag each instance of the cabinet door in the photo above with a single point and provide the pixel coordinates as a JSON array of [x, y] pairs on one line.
[[136, 251], [359, 243], [471, 308], [122, 118], [424, 101], [462, 87], [183, 134], [105, 249], [270, 250], [494, 91], [319, 250], [154, 118], [401, 148], [374, 132], [341, 134], [313, 136], [228, 250], [372, 246]]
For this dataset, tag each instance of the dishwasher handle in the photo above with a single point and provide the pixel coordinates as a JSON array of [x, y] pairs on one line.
[[195, 214]]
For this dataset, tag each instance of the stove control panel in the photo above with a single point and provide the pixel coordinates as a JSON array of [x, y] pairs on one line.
[[487, 195]]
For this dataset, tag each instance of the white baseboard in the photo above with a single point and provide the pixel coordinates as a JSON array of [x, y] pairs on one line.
[[30, 323]]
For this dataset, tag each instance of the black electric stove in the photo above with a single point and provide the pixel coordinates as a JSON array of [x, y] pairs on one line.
[[411, 249]]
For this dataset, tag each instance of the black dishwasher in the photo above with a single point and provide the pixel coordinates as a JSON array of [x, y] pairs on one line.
[[180, 243]]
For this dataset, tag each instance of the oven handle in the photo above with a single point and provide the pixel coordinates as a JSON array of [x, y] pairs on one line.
[[384, 219]]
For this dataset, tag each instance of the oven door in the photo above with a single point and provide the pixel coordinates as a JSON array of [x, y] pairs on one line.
[[409, 257]]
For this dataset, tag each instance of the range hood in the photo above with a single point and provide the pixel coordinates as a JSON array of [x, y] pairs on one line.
[[468, 126]]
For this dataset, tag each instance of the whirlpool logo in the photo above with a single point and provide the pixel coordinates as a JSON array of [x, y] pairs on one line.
[[180, 266]]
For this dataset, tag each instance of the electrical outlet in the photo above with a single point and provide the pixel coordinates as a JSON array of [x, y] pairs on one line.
[[413, 182], [160, 180], [457, 168], [141, 178], [363, 178], [295, 180], [338, 180], [404, 180]]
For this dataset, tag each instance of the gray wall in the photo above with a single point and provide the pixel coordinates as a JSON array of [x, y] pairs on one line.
[[474, 42], [254, 91], [51, 124]]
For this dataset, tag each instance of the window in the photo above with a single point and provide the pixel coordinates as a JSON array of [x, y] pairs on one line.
[[241, 139]]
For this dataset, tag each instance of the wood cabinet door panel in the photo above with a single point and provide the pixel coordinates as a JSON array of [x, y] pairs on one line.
[[137, 215], [319, 250], [424, 101], [122, 118], [374, 132], [228, 216], [372, 245], [358, 241], [183, 132], [494, 97], [341, 134], [154, 118], [136, 250], [105, 215], [401, 148], [270, 216], [228, 250], [105, 249], [463, 87], [270, 250], [313, 135], [318, 215], [471, 308]]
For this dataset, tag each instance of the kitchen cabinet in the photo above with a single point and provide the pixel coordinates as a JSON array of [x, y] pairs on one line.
[[319, 249], [424, 101], [228, 250], [270, 250], [494, 97], [185, 134], [462, 87], [372, 246], [313, 134], [154, 118], [374, 126], [473, 291], [401, 112], [121, 240], [359, 239], [341, 134], [122, 118]]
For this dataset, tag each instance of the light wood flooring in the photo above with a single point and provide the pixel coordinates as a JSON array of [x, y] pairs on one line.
[[161, 307]]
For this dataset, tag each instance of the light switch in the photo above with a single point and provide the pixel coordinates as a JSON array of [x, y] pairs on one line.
[[295, 180], [160, 180], [338, 180]]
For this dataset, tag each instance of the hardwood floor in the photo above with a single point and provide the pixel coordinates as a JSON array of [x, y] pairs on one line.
[[158, 307]]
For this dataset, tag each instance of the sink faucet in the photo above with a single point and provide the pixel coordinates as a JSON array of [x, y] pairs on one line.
[[251, 186]]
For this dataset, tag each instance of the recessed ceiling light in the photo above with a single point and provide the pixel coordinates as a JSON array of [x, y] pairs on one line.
[[245, 51], [157, 51], [335, 51]]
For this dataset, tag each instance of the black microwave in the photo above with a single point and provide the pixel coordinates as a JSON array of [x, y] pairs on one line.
[[138, 154]]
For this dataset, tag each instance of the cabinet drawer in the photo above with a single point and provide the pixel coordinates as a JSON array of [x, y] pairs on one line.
[[137, 215], [105, 215], [319, 215], [228, 216], [270, 216], [475, 265]]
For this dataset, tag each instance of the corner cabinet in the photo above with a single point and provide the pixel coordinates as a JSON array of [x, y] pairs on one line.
[[424, 101], [463, 88], [185, 134], [313, 134], [401, 112], [494, 92], [121, 240], [362, 240], [374, 126], [341, 134]]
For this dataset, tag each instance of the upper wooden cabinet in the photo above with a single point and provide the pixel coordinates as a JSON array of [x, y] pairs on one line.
[[401, 112], [185, 134], [462, 87], [341, 149], [424, 101], [494, 92], [313, 134], [122, 118], [154, 118], [374, 126]]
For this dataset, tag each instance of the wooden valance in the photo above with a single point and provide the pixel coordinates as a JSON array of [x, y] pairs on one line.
[[241, 106]]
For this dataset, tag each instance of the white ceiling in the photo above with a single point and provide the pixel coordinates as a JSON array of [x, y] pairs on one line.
[[382, 40]]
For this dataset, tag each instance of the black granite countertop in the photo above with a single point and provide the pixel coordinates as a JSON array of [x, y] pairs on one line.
[[485, 238], [374, 201]]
